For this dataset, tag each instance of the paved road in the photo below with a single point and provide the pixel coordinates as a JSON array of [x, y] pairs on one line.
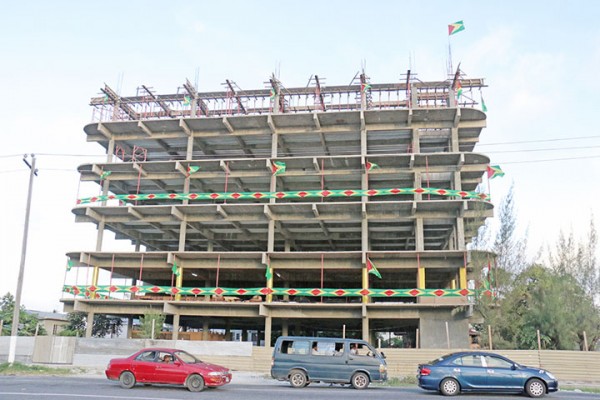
[[96, 388]]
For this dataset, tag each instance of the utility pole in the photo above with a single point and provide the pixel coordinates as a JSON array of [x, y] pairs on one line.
[[16, 314]]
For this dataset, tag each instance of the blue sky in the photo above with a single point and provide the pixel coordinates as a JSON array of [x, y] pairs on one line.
[[539, 58]]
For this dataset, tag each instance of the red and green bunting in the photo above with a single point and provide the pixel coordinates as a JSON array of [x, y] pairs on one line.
[[301, 194], [85, 290]]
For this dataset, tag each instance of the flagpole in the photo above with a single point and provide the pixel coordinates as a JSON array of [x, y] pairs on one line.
[[451, 68]]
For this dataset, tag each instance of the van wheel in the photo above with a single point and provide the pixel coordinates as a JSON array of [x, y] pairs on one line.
[[298, 378], [360, 380]]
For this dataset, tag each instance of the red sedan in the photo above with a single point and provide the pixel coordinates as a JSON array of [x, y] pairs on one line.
[[168, 366]]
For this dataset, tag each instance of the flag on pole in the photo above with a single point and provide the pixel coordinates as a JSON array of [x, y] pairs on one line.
[[70, 264], [459, 89], [105, 174], [175, 269], [456, 27], [364, 87], [483, 106], [494, 171], [272, 93], [186, 100], [371, 269], [269, 272], [371, 166], [192, 169], [278, 167]]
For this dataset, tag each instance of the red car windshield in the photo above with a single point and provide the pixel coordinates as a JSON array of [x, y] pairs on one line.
[[187, 357]]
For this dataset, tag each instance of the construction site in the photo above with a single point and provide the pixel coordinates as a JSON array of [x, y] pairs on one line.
[[319, 210]]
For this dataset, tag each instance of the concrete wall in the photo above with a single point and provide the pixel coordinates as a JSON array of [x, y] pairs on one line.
[[433, 334]]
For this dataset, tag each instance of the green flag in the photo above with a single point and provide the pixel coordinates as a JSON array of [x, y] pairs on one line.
[[456, 27], [272, 93], [278, 167], [371, 269], [371, 166], [186, 100], [192, 169], [364, 87], [494, 171], [175, 269], [269, 272], [105, 174], [70, 264]]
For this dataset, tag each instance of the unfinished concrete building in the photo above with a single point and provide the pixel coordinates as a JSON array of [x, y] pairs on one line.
[[272, 211]]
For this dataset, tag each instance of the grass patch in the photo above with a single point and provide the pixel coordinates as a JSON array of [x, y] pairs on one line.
[[402, 381], [581, 388], [23, 369]]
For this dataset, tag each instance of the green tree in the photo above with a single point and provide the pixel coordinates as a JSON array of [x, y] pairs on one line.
[[103, 325], [151, 319], [28, 322]]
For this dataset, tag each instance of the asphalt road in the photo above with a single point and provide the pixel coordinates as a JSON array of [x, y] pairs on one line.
[[92, 388]]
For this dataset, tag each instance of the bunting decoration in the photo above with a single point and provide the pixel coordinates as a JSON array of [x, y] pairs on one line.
[[278, 167], [371, 269], [494, 171], [456, 27], [307, 292], [301, 194], [371, 166]]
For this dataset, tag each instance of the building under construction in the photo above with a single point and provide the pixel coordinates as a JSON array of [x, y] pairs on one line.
[[320, 210]]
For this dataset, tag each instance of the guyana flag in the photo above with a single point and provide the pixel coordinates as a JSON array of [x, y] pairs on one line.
[[278, 167], [105, 174], [371, 166], [456, 27], [269, 272], [70, 264], [371, 269], [192, 169], [186, 100], [175, 269], [458, 89], [364, 87], [272, 93], [494, 171]]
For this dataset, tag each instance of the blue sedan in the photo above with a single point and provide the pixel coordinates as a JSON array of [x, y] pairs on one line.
[[475, 371]]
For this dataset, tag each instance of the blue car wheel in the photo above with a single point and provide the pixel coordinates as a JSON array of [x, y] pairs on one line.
[[450, 387], [535, 388]]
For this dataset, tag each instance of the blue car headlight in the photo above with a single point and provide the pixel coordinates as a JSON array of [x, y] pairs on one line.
[[550, 375]]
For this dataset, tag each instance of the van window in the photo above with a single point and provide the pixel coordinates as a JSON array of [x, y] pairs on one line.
[[295, 347], [327, 348]]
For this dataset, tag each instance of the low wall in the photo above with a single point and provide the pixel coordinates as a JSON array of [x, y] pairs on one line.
[[579, 366]]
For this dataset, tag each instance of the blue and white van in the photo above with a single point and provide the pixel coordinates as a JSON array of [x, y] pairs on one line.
[[302, 360]]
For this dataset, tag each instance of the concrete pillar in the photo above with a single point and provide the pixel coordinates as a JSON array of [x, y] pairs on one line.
[[268, 327], [175, 326], [89, 324], [284, 327], [421, 283], [365, 324], [419, 235], [454, 145], [110, 150], [205, 328], [130, 327], [460, 233], [416, 145], [228, 330]]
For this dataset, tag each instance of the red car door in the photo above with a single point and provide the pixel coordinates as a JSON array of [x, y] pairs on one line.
[[173, 372]]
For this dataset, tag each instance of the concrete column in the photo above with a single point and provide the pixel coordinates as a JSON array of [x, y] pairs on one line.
[[460, 233], [416, 145], [110, 150], [419, 235], [421, 283], [175, 326], [271, 237], [228, 330], [284, 327], [89, 325], [189, 153], [130, 327], [268, 326], [454, 145], [365, 324], [182, 235], [417, 184], [205, 328]]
